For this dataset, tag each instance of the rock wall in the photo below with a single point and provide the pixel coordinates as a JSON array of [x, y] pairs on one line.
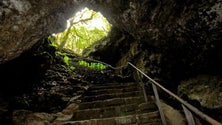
[[167, 39], [170, 40], [203, 91], [24, 22]]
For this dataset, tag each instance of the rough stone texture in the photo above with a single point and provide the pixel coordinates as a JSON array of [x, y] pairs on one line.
[[163, 36], [205, 89], [205, 93], [23, 23], [173, 116], [26, 117], [168, 40]]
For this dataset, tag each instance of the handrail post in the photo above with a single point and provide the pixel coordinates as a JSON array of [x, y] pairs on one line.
[[156, 97], [188, 115], [189, 106], [143, 87], [159, 104]]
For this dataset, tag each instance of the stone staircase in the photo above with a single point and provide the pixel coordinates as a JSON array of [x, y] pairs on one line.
[[115, 104]]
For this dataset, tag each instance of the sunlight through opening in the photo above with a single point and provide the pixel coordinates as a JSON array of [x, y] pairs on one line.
[[83, 29]]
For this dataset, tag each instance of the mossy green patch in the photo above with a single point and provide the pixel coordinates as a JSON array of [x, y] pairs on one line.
[[93, 65]]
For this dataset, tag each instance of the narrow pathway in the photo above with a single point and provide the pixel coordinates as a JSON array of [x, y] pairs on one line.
[[115, 104]]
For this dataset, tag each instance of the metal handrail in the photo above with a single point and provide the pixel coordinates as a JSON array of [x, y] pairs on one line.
[[188, 107], [158, 103], [186, 104]]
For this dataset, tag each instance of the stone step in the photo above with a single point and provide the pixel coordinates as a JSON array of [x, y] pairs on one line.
[[110, 91], [111, 102], [112, 86], [110, 96], [115, 111], [151, 118]]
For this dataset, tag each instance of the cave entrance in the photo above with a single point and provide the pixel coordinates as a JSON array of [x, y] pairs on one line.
[[83, 29]]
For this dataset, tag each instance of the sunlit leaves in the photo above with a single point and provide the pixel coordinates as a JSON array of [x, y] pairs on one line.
[[93, 65], [85, 28], [66, 60]]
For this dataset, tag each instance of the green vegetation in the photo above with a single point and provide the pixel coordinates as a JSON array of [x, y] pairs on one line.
[[85, 28], [51, 39], [65, 57], [93, 65], [66, 60], [72, 68]]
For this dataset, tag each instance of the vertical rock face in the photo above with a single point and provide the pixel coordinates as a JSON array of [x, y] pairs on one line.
[[170, 40], [204, 91], [24, 22], [166, 38]]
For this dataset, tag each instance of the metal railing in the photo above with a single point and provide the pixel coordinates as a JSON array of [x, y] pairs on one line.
[[188, 108]]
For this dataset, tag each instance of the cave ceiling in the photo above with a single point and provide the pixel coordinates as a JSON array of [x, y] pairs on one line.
[[23, 23]]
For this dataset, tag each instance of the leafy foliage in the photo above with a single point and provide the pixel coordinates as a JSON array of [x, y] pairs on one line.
[[93, 65], [85, 28], [72, 68], [66, 60]]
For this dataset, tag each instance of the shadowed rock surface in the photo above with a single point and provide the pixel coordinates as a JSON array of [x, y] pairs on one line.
[[170, 40], [203, 91]]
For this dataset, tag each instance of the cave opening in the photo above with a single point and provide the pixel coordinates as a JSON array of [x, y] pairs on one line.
[[27, 75], [170, 45], [83, 29]]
